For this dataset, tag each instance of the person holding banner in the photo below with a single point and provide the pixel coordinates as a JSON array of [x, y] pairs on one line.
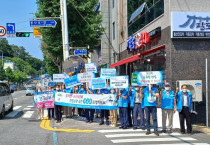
[[104, 113], [89, 113], [58, 108], [50, 110], [138, 108], [130, 105], [168, 104], [81, 91], [113, 113], [40, 111], [123, 107], [68, 110], [150, 108]]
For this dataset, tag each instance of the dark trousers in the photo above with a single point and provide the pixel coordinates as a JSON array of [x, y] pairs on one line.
[[130, 110], [123, 116], [50, 111], [137, 110], [185, 114], [104, 113], [153, 111], [58, 110], [80, 111], [89, 114]]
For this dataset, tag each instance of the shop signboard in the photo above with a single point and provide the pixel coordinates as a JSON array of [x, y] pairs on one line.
[[149, 77], [91, 67], [71, 81], [190, 24], [98, 83], [107, 73], [119, 82], [85, 77], [59, 78]]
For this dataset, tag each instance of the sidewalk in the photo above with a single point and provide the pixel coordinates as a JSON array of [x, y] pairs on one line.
[[204, 129]]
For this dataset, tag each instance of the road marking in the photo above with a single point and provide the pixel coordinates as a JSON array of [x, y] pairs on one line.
[[27, 109], [30, 106], [28, 114], [136, 134], [13, 114], [45, 124], [55, 139], [153, 139], [120, 130], [182, 144], [17, 107]]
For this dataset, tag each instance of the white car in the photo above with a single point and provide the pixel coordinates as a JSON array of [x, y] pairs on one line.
[[6, 99]]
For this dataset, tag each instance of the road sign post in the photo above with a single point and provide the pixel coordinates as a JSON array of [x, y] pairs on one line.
[[3, 31], [11, 30]]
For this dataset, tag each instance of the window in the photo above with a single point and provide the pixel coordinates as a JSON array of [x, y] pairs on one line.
[[113, 30], [112, 3]]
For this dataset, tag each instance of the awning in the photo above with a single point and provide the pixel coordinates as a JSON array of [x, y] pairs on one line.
[[136, 57], [137, 12]]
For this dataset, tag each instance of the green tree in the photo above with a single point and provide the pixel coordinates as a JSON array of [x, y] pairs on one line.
[[5, 48], [81, 32], [2, 73], [9, 75], [19, 77]]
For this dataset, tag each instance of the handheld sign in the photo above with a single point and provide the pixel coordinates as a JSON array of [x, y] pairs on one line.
[[91, 67], [107, 73], [119, 82], [85, 77], [59, 78], [71, 81], [98, 83]]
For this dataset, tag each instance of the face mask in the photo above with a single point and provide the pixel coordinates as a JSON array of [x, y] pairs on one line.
[[57, 89], [82, 89], [136, 89], [76, 89], [184, 90], [112, 92], [167, 88]]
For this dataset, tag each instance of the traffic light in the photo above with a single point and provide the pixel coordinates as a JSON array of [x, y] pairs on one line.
[[22, 34]]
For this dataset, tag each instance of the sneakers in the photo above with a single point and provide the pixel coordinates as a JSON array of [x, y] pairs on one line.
[[148, 132], [134, 128], [163, 131], [87, 121], [101, 123], [120, 127], [91, 121], [125, 127], [107, 123], [156, 133]]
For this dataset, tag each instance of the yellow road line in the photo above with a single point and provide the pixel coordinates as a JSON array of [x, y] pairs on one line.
[[208, 133], [45, 124]]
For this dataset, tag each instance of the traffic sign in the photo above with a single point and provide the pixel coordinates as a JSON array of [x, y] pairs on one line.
[[10, 28], [37, 33], [43, 23], [3, 31], [80, 52]]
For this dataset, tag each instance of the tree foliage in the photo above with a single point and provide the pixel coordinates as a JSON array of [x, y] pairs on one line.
[[9, 75], [81, 32], [2, 73]]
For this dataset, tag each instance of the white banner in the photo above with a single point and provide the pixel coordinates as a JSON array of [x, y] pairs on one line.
[[91, 67], [119, 82], [91, 101], [59, 78], [85, 77]]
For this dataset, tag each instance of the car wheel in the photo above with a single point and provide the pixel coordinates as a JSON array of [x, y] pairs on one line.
[[11, 108], [2, 112], [26, 94]]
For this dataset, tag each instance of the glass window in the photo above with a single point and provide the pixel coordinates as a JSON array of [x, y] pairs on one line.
[[113, 30]]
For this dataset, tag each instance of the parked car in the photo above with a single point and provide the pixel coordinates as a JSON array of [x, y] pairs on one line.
[[30, 91], [13, 87], [6, 100], [22, 88]]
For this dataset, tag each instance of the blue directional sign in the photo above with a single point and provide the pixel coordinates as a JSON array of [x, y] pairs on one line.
[[43, 23], [80, 52], [10, 28]]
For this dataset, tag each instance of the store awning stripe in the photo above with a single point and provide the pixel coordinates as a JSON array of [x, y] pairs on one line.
[[136, 57]]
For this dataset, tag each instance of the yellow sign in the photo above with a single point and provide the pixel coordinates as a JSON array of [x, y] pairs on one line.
[[36, 32]]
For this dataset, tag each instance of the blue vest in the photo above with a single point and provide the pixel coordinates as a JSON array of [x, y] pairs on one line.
[[123, 102], [105, 91], [131, 97], [179, 100], [146, 95], [69, 90], [167, 102], [82, 92]]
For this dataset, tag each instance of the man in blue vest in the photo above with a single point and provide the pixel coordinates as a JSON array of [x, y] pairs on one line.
[[184, 107], [150, 108], [168, 104]]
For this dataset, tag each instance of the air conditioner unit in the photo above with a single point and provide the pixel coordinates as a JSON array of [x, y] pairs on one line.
[[194, 86]]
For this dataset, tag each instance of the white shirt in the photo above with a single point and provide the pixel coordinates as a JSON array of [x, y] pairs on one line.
[[185, 102]]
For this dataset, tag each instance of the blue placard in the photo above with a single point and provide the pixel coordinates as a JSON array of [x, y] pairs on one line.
[[10, 28], [43, 23], [98, 83], [149, 77], [107, 73], [71, 81], [80, 52]]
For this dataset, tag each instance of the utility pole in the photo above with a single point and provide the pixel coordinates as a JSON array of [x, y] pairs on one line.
[[64, 24]]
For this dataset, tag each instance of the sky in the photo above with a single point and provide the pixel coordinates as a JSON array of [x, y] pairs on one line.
[[20, 12]]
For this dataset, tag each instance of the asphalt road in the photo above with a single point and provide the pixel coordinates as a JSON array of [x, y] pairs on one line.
[[21, 127]]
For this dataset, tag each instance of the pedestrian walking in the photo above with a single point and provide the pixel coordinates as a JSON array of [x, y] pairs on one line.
[[184, 107], [58, 108], [89, 113], [150, 108], [168, 104], [138, 108]]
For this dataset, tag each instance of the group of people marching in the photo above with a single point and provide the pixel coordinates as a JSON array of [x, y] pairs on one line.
[[133, 102]]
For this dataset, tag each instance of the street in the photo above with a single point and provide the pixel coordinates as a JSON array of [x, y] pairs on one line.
[[21, 127]]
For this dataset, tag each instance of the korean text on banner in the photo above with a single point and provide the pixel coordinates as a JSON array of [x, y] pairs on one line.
[[59, 78], [149, 77], [98, 83], [90, 101], [107, 73], [119, 82], [85, 77], [91, 67], [44, 99], [71, 81], [134, 79]]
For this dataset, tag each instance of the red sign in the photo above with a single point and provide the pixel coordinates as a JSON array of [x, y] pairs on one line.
[[141, 39], [3, 31]]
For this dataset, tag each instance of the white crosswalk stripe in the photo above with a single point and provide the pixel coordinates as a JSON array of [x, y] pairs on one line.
[[17, 107], [138, 136], [28, 114]]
